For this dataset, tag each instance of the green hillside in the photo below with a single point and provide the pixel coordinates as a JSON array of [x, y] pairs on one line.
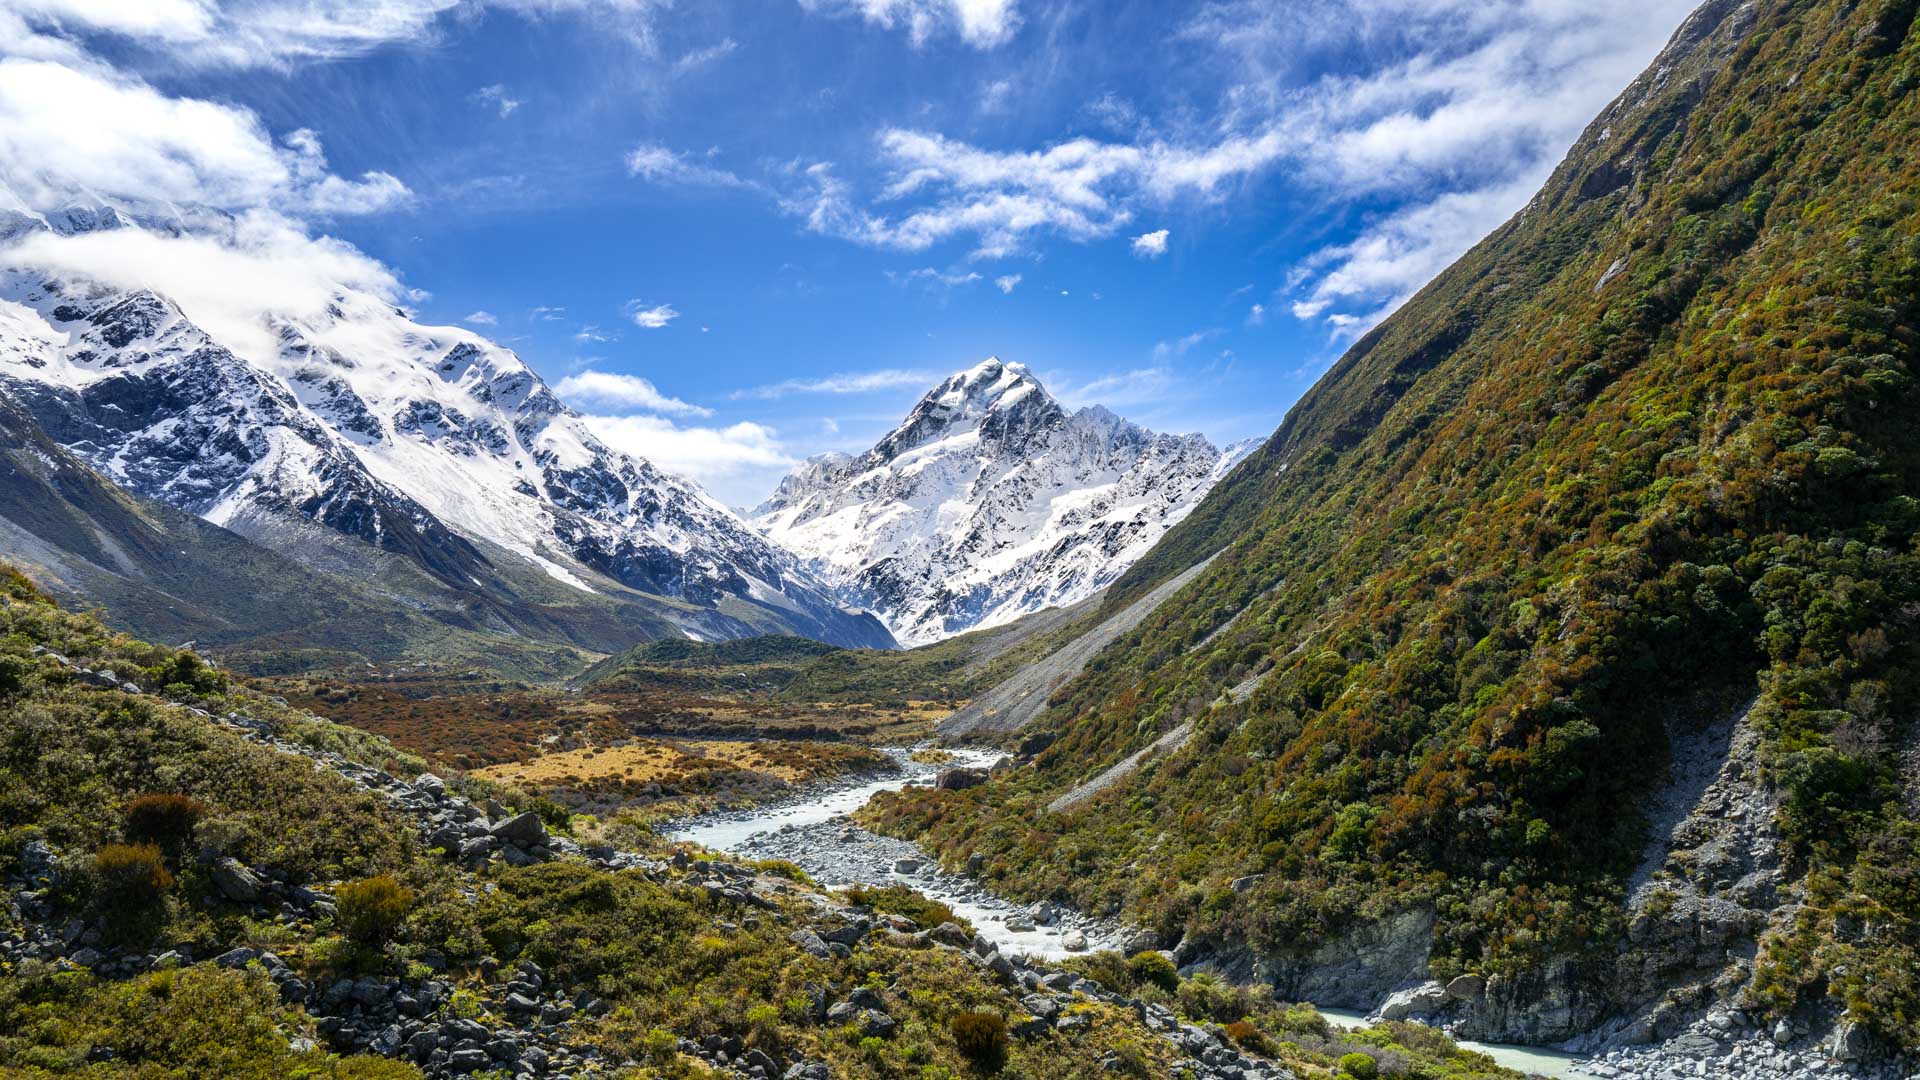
[[1643, 457]]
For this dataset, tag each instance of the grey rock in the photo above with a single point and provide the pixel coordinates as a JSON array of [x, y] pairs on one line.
[[236, 882], [1422, 1000], [960, 779], [810, 942], [524, 830]]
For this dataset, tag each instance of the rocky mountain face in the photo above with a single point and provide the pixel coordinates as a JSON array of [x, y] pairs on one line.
[[430, 443], [989, 501], [1559, 657]]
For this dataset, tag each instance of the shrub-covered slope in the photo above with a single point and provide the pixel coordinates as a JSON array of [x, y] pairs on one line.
[[201, 882], [1642, 460]]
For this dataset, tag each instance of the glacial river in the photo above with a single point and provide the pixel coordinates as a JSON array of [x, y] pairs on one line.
[[814, 834]]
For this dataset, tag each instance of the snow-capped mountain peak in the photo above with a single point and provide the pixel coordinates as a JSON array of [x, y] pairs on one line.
[[989, 500], [432, 443]]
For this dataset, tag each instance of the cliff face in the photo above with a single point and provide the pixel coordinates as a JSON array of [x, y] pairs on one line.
[[1639, 463]]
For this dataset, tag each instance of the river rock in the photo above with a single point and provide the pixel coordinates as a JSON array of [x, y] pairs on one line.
[[1420, 1000], [960, 779]]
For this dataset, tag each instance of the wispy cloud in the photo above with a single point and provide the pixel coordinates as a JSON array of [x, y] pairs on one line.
[[1182, 346], [932, 279], [852, 382], [481, 318], [591, 334], [650, 316], [1006, 283], [1121, 390], [981, 23], [699, 58], [1151, 245], [658, 164], [611, 390], [1257, 315], [496, 97], [543, 313]]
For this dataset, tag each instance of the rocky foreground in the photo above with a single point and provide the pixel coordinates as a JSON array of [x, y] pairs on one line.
[[514, 1019]]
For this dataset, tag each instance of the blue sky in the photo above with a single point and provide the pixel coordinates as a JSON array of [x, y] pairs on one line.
[[744, 232]]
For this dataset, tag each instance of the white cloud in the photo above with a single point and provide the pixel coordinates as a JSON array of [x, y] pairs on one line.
[[1391, 259], [1427, 100], [79, 131], [229, 284], [481, 318], [651, 161], [591, 334], [285, 33], [1257, 315], [861, 382], [981, 23], [1006, 282], [496, 97], [160, 20], [737, 463], [607, 389], [1151, 245], [936, 279], [996, 95], [543, 313], [650, 317], [1181, 347], [700, 58]]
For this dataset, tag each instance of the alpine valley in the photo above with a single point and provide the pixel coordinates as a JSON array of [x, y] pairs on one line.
[[1541, 698]]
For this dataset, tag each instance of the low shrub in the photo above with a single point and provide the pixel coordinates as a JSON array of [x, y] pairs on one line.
[[1250, 1038], [165, 820], [131, 874], [903, 901], [1154, 969], [982, 1039], [1359, 1066], [372, 909]]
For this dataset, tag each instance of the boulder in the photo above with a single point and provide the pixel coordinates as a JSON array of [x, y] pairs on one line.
[[1851, 1041], [431, 784], [1420, 1000], [521, 830], [811, 943], [1467, 987], [960, 779], [906, 866], [1074, 941], [236, 882]]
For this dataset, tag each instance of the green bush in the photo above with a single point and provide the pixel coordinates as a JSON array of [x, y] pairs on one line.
[[1154, 969], [131, 874], [372, 909], [199, 1021], [982, 1039], [164, 820], [1359, 1066]]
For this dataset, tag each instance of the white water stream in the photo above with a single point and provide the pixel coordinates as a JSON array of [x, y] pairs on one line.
[[731, 832]]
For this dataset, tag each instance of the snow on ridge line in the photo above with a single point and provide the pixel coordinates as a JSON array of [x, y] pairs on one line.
[[989, 501]]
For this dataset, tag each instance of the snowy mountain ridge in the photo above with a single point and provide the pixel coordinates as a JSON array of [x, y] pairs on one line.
[[989, 500], [430, 442]]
